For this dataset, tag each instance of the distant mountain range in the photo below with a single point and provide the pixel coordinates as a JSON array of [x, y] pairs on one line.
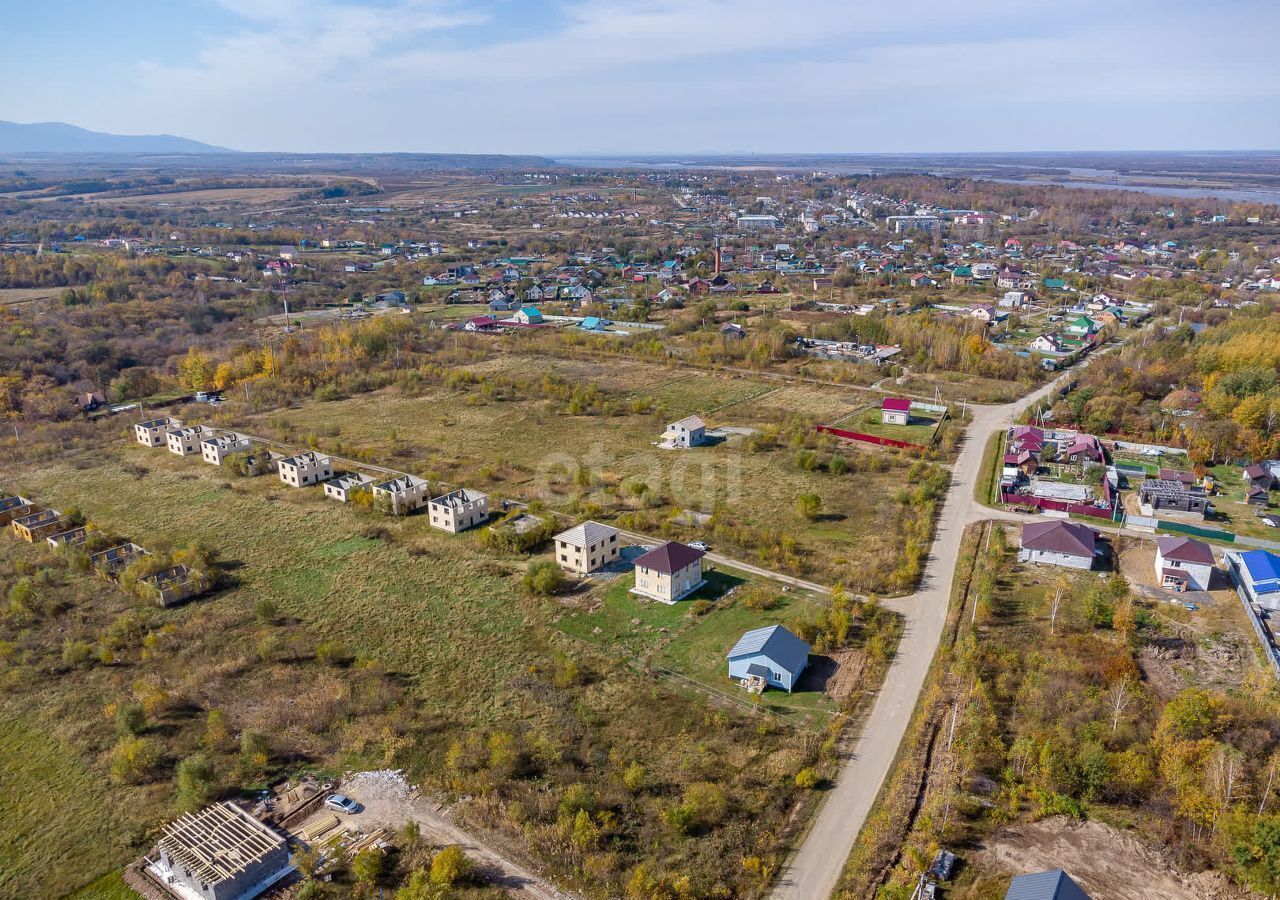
[[58, 137]]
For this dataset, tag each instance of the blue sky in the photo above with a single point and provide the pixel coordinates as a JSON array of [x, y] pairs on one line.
[[653, 76]]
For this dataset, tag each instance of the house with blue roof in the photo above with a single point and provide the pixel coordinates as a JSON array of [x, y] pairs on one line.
[[768, 657], [592, 323], [1258, 573], [1054, 885]]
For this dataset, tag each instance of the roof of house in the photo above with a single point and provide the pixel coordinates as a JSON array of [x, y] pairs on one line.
[[1054, 885], [1263, 567], [1185, 549], [775, 642], [1060, 537], [896, 404], [1257, 470], [691, 422], [586, 534], [669, 557], [219, 842]]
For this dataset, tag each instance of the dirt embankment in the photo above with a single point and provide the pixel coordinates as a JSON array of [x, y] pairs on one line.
[[1109, 864]]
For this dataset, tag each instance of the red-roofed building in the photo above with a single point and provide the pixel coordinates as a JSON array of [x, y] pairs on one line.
[[669, 572], [895, 411]]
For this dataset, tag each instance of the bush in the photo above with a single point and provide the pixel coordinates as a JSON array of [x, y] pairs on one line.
[[809, 506], [807, 778], [265, 611], [130, 718], [332, 653], [544, 577], [132, 759], [449, 866], [197, 782]]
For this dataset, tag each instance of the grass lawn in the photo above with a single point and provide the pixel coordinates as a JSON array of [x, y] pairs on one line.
[[919, 431], [626, 623], [685, 395], [699, 653], [108, 887], [57, 820]]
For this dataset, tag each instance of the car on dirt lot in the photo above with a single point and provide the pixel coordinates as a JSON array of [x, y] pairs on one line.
[[342, 803], [699, 545]]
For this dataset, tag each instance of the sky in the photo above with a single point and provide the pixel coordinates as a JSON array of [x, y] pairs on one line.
[[583, 77]]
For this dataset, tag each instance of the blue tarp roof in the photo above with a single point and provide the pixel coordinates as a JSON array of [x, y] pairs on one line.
[[1264, 570], [775, 642]]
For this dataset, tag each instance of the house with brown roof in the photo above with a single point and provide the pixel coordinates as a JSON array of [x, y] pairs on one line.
[[1059, 543], [669, 572], [1183, 563]]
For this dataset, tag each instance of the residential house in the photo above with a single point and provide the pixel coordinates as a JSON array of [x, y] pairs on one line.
[[186, 441], [1155, 496], [1047, 343], [1024, 460], [984, 271], [1257, 572], [36, 525], [88, 401], [217, 447], [403, 494], [1016, 280], [220, 853], [895, 411], [962, 275], [1082, 327], [528, 315], [984, 312], [305, 468], [458, 510], [1059, 543], [587, 547], [688, 432], [1015, 299], [1083, 448], [1184, 564], [481, 324], [669, 572], [14, 508], [344, 487], [155, 433], [114, 560], [1055, 885], [732, 331], [769, 656], [1257, 496]]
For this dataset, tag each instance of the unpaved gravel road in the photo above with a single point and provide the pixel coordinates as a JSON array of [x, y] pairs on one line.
[[389, 801]]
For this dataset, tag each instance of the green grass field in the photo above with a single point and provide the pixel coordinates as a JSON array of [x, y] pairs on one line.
[[919, 431], [56, 817], [445, 612], [699, 652]]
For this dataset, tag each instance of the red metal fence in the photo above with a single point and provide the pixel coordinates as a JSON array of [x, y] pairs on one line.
[[869, 438], [1081, 509]]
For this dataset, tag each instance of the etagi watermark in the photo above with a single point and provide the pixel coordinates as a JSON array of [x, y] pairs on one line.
[[690, 479]]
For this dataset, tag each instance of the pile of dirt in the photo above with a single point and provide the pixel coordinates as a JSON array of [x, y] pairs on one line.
[[1108, 863]]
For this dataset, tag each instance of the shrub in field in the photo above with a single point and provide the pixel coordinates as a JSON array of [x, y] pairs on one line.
[[544, 578]]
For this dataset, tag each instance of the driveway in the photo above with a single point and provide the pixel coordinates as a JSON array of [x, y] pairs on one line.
[[389, 801]]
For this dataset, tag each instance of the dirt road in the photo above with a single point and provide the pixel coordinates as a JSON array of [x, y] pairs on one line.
[[389, 801], [814, 870]]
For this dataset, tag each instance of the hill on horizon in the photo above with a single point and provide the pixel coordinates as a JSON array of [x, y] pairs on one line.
[[59, 137]]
